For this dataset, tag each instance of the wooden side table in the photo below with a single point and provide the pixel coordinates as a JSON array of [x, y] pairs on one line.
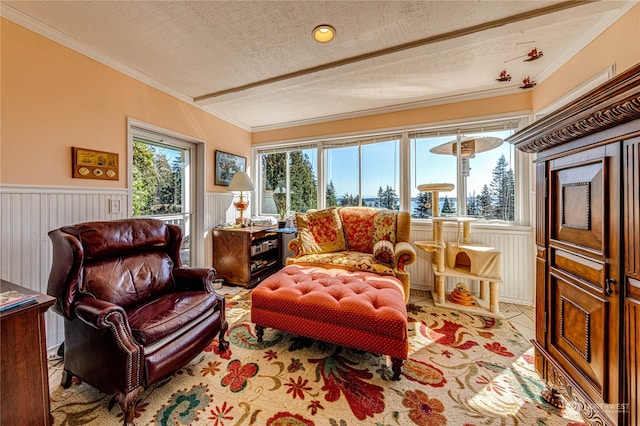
[[24, 394], [245, 256]]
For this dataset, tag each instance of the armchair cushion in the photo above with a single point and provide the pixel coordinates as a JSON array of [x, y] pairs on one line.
[[349, 260], [163, 316], [320, 231]]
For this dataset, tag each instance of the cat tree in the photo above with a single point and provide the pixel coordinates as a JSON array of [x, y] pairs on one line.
[[461, 259]]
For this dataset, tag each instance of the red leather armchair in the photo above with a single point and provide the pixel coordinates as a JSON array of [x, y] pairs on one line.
[[133, 315]]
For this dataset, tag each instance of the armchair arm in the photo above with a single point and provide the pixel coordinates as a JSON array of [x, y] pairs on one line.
[[295, 247], [100, 313], [194, 278], [405, 254]]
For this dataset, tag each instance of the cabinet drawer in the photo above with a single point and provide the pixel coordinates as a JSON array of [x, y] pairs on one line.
[[592, 271]]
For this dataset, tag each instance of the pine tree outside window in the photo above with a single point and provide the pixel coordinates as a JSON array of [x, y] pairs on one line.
[[288, 182]]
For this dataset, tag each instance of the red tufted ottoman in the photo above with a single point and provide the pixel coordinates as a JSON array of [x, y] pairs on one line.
[[360, 310]]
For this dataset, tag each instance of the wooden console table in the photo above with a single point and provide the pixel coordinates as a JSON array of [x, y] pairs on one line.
[[24, 395]]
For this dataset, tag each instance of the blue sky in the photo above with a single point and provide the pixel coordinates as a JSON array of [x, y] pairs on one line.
[[426, 168]]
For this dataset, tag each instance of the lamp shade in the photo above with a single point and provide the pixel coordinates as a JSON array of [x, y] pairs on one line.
[[240, 182]]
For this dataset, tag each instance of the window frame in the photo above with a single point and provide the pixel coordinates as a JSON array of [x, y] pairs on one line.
[[522, 162]]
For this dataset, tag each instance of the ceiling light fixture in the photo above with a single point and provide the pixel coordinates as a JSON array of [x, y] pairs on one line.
[[323, 33]]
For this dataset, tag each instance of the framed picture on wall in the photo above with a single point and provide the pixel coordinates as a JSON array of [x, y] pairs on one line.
[[226, 165]]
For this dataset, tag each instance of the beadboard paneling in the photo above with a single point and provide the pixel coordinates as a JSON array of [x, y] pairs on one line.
[[27, 214]]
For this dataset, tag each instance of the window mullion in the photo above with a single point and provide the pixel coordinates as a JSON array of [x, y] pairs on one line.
[[359, 174]]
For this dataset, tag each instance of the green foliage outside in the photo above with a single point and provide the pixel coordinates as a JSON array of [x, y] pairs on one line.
[[157, 184], [387, 199], [302, 185], [331, 199], [446, 207], [424, 205]]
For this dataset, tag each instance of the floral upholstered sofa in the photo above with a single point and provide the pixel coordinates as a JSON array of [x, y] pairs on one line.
[[356, 239]]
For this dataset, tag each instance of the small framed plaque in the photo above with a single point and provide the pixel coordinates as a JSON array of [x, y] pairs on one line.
[[90, 164]]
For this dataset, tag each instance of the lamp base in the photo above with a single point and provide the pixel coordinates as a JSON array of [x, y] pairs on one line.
[[241, 221]]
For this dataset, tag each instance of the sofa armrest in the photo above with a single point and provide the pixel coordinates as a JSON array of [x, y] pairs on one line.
[[194, 278], [405, 254], [295, 247]]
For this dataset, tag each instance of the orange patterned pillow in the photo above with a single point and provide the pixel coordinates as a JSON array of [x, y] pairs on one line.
[[320, 231], [358, 228]]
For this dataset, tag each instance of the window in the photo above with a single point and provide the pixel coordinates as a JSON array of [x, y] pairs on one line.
[[484, 181], [363, 172], [288, 181], [385, 171]]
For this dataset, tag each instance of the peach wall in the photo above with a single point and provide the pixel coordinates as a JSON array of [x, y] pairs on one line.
[[54, 98], [433, 114], [619, 45]]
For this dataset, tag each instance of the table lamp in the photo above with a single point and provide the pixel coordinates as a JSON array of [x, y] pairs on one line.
[[241, 182]]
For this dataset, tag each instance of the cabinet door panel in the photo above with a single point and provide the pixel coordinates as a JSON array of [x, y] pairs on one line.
[[578, 216], [579, 338]]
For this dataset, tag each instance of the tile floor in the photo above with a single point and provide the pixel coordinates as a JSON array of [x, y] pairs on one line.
[[522, 317]]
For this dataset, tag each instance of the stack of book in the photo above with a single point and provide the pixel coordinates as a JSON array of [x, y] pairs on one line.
[[12, 299]]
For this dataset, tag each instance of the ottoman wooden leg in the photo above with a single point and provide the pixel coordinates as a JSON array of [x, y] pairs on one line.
[[259, 332], [396, 367]]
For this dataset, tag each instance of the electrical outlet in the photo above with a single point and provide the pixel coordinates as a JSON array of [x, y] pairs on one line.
[[114, 206]]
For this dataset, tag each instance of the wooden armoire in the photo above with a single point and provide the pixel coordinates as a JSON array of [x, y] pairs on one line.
[[588, 250]]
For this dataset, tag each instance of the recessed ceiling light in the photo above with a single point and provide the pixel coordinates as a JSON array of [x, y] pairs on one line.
[[323, 33]]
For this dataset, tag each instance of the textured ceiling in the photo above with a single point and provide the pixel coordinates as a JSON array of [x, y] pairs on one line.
[[255, 64]]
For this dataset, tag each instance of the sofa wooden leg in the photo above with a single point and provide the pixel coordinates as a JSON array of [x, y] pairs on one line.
[[127, 403], [396, 367], [259, 332]]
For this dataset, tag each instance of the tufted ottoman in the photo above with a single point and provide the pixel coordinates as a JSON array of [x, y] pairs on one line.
[[361, 310]]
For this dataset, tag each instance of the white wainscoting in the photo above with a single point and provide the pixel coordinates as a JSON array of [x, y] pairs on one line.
[[28, 213], [515, 243]]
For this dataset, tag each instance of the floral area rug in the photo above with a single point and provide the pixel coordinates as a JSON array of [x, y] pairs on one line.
[[462, 370]]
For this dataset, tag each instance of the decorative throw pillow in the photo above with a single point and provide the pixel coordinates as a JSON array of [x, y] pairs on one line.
[[383, 252], [358, 228], [384, 226], [320, 231]]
